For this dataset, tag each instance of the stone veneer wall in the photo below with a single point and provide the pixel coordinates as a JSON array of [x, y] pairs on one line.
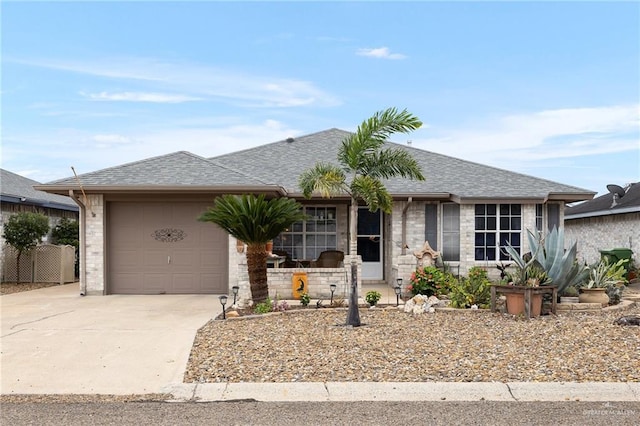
[[280, 284], [604, 232], [95, 245]]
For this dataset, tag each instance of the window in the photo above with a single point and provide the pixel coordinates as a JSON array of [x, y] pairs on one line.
[[451, 232], [307, 239], [553, 212], [496, 225], [539, 217], [431, 225]]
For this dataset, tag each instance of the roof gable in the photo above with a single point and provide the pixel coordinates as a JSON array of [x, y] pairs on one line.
[[176, 169]]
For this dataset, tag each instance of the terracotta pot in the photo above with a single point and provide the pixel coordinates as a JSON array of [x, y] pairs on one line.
[[594, 295], [269, 247], [515, 304]]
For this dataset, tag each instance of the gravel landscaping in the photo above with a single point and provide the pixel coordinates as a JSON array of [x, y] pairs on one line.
[[9, 288], [314, 346]]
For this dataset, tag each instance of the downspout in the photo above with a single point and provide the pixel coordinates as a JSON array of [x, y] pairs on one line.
[[404, 226], [83, 251]]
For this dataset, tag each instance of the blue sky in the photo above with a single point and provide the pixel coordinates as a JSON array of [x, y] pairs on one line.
[[546, 89]]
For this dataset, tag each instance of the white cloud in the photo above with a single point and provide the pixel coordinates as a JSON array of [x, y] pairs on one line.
[[380, 52], [199, 81], [543, 136], [140, 97]]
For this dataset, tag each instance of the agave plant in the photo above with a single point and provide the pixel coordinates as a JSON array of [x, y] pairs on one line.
[[528, 272], [561, 265]]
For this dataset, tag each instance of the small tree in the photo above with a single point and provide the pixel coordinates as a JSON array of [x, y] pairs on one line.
[[365, 162], [67, 232], [23, 232]]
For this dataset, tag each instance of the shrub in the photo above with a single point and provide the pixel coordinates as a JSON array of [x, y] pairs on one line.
[[263, 307], [430, 281], [372, 297], [305, 299], [472, 290]]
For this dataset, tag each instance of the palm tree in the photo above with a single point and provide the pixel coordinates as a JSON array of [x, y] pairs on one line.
[[364, 162], [255, 221]]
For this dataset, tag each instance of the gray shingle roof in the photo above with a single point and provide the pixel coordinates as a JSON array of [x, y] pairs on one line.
[[15, 187], [282, 162], [604, 205], [176, 169]]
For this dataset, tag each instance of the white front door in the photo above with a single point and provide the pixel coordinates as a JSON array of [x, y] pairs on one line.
[[370, 243]]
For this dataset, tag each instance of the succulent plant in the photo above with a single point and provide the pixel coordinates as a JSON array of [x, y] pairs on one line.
[[561, 265]]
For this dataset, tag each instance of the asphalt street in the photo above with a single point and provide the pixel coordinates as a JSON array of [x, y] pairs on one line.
[[322, 413]]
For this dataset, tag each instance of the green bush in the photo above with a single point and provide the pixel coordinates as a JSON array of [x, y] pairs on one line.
[[264, 307], [430, 281], [372, 297], [472, 290]]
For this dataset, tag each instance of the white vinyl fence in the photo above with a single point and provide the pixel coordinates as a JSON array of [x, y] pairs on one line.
[[46, 263]]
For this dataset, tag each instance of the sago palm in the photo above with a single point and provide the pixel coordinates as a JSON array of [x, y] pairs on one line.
[[254, 220]]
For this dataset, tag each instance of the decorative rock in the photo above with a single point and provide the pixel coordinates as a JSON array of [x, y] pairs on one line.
[[474, 307], [233, 314], [628, 320], [419, 304]]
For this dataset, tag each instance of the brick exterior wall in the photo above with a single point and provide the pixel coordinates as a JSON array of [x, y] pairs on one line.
[[604, 232], [94, 246], [401, 266]]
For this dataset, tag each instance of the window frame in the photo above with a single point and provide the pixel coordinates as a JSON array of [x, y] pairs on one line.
[[305, 229], [498, 226]]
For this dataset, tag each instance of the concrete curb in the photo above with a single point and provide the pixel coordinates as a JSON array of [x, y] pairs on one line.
[[404, 391]]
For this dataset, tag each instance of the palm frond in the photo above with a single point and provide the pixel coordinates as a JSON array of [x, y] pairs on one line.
[[325, 179], [253, 219], [373, 193], [373, 132], [390, 163]]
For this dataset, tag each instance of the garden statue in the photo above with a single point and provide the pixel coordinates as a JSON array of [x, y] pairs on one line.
[[427, 256]]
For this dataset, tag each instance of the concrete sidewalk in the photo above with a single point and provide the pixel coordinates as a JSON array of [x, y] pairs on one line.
[[403, 391]]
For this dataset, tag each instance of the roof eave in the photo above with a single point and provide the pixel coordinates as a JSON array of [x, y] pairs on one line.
[[164, 189], [608, 212]]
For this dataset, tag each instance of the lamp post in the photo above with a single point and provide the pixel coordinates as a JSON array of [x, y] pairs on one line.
[[399, 281], [398, 290], [235, 290], [333, 289], [223, 301]]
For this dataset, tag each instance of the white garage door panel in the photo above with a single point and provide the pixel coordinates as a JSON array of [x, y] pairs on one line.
[[157, 248]]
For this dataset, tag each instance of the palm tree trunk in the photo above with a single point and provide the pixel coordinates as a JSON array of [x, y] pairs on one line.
[[257, 268], [353, 228]]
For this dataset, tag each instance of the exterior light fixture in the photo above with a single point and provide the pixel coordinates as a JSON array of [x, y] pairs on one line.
[[333, 289], [397, 289], [235, 290], [399, 281], [223, 301]]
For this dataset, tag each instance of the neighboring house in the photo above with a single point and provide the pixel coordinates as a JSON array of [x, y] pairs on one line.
[[18, 195], [139, 232], [606, 222]]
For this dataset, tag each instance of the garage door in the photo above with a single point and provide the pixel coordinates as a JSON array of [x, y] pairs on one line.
[[161, 248]]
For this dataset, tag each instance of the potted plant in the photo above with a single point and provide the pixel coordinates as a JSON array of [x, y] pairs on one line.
[[372, 298], [528, 273], [603, 278], [569, 295]]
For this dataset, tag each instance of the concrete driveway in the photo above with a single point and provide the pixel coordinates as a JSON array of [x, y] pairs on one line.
[[55, 341]]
